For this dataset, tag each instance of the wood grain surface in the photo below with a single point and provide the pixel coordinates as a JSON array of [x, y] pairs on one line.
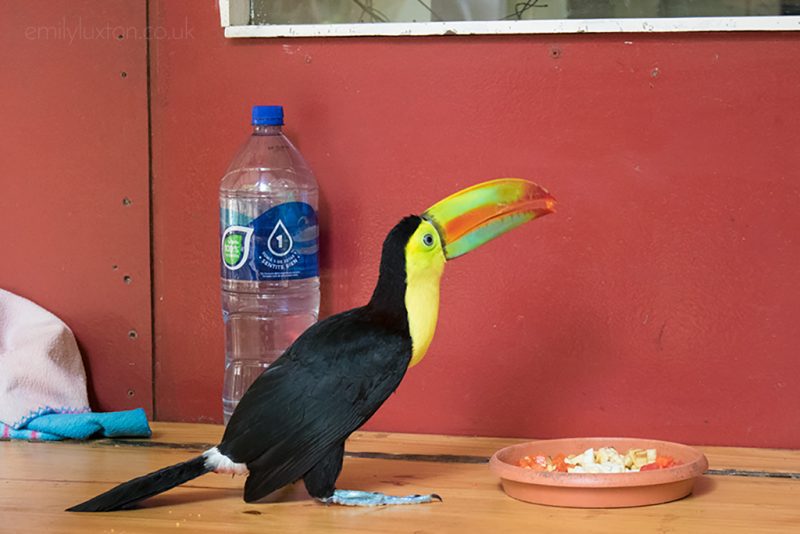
[[755, 490]]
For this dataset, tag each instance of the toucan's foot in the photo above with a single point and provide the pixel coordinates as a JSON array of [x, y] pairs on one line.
[[369, 498]]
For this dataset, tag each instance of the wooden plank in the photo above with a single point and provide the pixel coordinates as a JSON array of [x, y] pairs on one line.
[[62, 474], [75, 206], [472, 501], [545, 320], [742, 458]]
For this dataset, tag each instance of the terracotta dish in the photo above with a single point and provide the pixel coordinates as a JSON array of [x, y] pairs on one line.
[[598, 490]]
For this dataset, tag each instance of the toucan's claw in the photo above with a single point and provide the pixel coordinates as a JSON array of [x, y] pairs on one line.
[[371, 498]]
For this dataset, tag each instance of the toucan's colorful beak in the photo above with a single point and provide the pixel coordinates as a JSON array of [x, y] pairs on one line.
[[478, 214]]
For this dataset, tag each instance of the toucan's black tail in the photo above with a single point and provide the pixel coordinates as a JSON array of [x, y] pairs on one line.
[[143, 487]]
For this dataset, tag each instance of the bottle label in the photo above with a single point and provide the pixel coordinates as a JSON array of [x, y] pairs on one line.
[[279, 244]]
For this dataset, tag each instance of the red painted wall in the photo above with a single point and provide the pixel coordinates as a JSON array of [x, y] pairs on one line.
[[661, 299], [73, 146]]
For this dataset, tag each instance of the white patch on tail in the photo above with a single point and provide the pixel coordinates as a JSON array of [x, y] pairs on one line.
[[219, 463]]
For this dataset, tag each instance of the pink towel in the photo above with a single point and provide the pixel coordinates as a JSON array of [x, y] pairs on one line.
[[41, 371]]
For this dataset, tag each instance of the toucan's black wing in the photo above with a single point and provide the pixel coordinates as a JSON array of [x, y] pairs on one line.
[[326, 385]]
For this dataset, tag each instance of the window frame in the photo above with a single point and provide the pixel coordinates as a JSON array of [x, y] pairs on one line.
[[235, 15]]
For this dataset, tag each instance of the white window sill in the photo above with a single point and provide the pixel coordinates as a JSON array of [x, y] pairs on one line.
[[561, 26]]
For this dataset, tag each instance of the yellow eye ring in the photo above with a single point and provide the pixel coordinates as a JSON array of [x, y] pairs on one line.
[[427, 240]]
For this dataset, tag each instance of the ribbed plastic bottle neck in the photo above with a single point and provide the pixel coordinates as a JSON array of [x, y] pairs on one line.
[[267, 129]]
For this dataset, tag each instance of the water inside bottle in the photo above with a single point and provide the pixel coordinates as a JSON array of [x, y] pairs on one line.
[[259, 326]]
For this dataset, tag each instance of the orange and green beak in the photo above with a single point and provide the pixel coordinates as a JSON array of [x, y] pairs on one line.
[[478, 214]]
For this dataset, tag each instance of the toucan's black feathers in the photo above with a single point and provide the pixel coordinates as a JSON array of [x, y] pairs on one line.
[[133, 491], [294, 419], [389, 295], [320, 480], [332, 379]]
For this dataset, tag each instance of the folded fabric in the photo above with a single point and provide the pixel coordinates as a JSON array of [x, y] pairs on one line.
[[53, 427], [41, 370], [43, 383]]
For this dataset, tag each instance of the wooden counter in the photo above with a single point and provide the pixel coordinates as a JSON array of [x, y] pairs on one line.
[[746, 490]]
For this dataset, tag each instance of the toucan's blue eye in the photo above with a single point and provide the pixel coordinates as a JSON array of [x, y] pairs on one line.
[[427, 240]]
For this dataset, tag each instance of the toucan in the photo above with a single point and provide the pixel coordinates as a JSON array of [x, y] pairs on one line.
[[293, 421]]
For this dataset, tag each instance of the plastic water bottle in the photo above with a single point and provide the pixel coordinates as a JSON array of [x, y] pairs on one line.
[[268, 243]]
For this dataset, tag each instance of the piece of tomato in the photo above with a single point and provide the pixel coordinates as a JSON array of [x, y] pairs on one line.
[[665, 461], [559, 463]]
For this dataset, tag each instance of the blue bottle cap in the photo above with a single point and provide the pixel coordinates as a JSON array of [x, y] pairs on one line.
[[267, 115]]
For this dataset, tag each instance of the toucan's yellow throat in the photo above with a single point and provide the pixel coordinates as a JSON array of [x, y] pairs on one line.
[[424, 266]]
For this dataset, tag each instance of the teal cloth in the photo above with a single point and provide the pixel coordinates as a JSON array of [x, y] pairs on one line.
[[58, 426]]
